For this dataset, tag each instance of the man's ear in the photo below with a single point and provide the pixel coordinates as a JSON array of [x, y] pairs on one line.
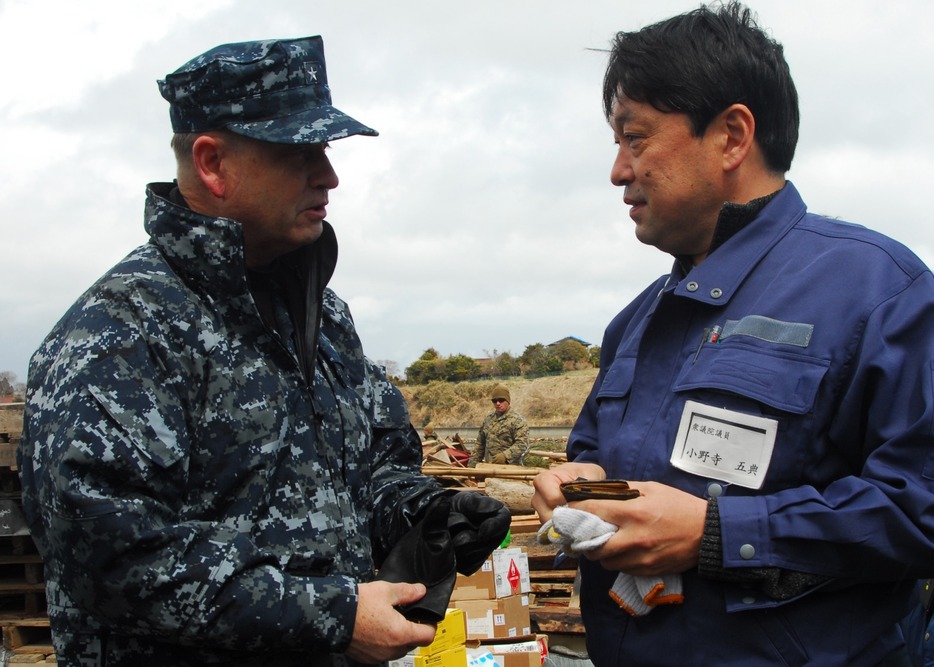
[[208, 153], [739, 127]]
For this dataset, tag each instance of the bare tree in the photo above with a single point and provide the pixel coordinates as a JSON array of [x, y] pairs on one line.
[[7, 382], [391, 367]]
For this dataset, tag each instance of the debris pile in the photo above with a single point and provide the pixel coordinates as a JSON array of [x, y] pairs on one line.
[[554, 598]]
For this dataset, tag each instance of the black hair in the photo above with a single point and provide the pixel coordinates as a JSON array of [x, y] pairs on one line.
[[701, 62]]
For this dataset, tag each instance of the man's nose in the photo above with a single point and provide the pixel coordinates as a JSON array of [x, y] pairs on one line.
[[621, 173], [323, 175]]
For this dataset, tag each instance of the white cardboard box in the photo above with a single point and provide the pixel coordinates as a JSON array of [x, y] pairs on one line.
[[511, 572]]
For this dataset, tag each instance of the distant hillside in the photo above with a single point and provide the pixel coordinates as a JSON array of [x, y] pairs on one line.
[[553, 400]]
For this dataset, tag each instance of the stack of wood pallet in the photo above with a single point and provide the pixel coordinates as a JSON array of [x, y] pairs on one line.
[[23, 616]]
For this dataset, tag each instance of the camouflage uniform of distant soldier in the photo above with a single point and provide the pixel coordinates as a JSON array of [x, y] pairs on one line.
[[503, 436], [211, 467]]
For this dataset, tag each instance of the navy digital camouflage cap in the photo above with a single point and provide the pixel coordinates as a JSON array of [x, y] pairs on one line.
[[274, 91]]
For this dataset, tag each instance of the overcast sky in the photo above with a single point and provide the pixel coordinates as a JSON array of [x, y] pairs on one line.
[[482, 218]]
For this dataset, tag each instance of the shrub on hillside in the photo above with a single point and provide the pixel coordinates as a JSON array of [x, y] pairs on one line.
[[437, 395], [539, 408]]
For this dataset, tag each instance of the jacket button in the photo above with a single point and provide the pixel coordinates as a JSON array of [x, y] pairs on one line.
[[716, 292], [692, 286], [747, 552], [714, 490]]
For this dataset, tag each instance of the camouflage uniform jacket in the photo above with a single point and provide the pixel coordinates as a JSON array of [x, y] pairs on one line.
[[502, 433], [195, 499]]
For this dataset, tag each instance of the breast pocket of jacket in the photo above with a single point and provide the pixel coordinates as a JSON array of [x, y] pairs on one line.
[[146, 426], [765, 381], [613, 396]]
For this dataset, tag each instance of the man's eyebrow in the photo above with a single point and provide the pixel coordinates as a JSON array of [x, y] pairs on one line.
[[622, 116]]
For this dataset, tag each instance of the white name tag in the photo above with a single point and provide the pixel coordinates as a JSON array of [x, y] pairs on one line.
[[724, 445]]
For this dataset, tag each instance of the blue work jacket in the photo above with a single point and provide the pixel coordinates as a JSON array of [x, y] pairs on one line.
[[831, 336]]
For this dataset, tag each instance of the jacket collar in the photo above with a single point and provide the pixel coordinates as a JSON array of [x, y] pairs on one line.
[[716, 279], [209, 250]]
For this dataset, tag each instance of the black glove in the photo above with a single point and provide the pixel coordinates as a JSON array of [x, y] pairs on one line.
[[425, 555], [478, 524]]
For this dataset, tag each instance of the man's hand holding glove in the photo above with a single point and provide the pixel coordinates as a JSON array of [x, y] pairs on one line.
[[579, 532], [455, 534], [425, 555]]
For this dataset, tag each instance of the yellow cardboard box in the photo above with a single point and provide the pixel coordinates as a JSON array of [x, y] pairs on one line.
[[452, 631], [453, 657]]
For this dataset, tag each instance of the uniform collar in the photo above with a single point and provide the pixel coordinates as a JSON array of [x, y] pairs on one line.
[[209, 250], [745, 234], [733, 217]]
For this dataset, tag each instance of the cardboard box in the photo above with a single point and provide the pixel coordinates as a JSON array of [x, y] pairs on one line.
[[453, 657], [481, 585], [511, 572], [524, 659], [505, 573], [503, 618], [528, 652], [451, 632]]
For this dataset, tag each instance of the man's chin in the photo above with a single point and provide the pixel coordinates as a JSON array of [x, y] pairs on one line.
[[645, 236], [312, 231]]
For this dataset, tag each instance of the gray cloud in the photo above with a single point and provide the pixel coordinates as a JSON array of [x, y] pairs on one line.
[[483, 216]]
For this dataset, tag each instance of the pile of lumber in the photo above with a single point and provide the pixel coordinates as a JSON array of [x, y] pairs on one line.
[[446, 460]]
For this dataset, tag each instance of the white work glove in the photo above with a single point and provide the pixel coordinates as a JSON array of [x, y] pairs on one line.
[[578, 532]]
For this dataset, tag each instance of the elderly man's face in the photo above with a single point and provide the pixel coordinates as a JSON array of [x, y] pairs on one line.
[[278, 194]]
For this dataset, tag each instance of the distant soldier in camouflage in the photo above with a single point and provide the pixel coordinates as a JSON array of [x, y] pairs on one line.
[[503, 436], [211, 467]]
